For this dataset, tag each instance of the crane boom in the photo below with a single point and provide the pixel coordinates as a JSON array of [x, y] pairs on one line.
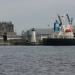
[[68, 18], [60, 20]]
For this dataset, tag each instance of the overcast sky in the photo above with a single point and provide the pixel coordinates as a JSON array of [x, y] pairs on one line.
[[26, 14]]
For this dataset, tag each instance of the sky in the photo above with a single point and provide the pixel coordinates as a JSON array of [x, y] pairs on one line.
[[26, 14]]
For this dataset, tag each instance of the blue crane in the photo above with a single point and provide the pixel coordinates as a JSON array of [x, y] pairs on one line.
[[56, 26]]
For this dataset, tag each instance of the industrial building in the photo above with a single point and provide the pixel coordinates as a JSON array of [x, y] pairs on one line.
[[37, 34], [8, 28]]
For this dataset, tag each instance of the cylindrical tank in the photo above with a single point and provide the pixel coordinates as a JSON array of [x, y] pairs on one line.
[[33, 36]]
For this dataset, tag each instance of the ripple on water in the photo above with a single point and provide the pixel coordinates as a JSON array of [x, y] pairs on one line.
[[28, 64]]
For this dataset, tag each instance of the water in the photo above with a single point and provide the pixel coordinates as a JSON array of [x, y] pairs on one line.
[[37, 60]]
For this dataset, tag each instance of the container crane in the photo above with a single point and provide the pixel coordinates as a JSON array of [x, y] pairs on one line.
[[59, 20], [70, 20]]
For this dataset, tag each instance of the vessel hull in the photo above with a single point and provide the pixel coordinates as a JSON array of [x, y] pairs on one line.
[[59, 41]]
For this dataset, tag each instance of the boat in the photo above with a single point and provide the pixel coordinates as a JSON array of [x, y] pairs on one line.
[[63, 34], [59, 42]]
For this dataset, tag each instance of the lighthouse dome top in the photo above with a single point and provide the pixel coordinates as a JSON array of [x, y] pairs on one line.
[[33, 29]]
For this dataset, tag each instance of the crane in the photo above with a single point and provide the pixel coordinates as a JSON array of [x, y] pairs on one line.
[[60, 20], [56, 26], [70, 20]]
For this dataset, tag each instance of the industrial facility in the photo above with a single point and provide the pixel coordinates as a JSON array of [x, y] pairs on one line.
[[7, 27], [35, 35], [63, 28], [7, 32]]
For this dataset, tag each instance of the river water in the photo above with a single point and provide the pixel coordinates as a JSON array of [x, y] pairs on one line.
[[37, 60]]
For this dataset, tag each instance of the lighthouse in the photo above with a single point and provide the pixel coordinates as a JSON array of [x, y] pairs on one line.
[[33, 36]]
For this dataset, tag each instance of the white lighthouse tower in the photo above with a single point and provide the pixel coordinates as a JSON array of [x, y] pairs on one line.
[[33, 36]]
